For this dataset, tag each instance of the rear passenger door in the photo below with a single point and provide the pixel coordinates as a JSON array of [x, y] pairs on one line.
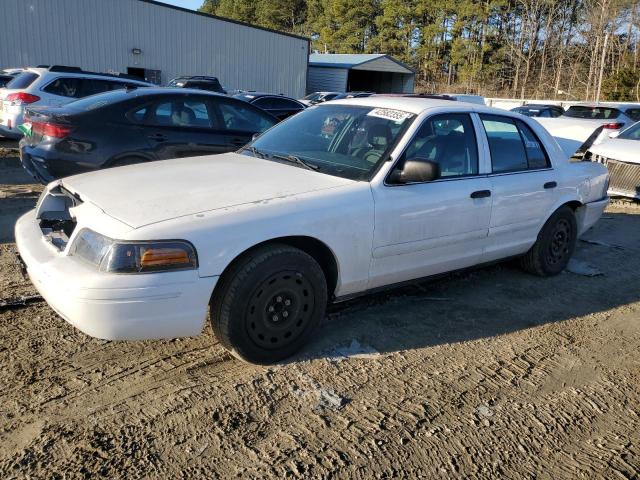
[[523, 186], [182, 126]]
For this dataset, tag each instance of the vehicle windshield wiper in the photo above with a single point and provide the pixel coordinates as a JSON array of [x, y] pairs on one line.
[[256, 153], [297, 160]]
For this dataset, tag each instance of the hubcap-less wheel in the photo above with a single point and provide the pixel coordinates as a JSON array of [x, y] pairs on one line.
[[279, 310], [561, 241]]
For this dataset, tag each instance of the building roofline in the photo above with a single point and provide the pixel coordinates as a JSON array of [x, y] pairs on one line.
[[223, 19], [347, 66]]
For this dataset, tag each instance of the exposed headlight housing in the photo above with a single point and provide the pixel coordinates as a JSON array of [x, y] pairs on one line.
[[117, 256]]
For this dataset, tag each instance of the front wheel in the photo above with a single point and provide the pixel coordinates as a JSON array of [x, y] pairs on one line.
[[268, 304], [555, 244]]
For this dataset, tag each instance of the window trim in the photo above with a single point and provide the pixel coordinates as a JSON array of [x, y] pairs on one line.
[[515, 123], [479, 150]]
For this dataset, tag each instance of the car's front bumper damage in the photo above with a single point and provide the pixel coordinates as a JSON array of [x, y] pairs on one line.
[[113, 306]]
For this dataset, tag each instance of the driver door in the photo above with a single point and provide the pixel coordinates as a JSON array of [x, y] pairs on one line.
[[423, 229]]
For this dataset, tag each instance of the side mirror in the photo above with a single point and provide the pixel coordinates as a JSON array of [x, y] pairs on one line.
[[416, 170], [614, 134]]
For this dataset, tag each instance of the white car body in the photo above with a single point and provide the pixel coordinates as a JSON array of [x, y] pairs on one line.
[[622, 158], [12, 111], [571, 133], [378, 234]]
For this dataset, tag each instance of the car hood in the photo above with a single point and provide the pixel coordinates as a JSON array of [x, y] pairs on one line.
[[152, 192], [619, 149]]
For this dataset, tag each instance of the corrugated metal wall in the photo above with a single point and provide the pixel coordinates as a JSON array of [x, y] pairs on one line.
[[323, 79], [100, 35]]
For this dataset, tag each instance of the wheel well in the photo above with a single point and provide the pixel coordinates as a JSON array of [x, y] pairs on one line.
[[320, 252], [574, 204]]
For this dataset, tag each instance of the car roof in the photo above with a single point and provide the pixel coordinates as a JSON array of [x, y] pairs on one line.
[[415, 105], [80, 74], [145, 91]]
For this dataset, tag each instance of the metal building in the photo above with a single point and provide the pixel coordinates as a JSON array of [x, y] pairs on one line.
[[347, 73], [151, 39]]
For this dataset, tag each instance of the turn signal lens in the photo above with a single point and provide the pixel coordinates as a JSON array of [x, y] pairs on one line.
[[155, 257], [144, 257]]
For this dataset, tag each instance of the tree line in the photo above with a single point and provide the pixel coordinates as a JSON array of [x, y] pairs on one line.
[[560, 49]]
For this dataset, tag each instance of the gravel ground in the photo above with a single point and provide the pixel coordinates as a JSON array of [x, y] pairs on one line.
[[491, 373]]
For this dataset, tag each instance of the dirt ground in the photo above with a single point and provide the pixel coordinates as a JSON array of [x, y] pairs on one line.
[[487, 374]]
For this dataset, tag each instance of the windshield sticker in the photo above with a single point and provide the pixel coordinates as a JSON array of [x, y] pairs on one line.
[[397, 116]]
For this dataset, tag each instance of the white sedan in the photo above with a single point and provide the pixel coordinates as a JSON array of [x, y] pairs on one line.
[[344, 198]]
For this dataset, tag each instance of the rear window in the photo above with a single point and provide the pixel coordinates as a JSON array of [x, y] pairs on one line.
[[633, 114], [594, 113], [23, 80], [97, 101]]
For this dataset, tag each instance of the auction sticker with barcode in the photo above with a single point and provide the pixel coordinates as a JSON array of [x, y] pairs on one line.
[[397, 116]]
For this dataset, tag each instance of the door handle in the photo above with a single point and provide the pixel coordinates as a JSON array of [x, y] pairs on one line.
[[550, 185], [481, 194], [158, 137]]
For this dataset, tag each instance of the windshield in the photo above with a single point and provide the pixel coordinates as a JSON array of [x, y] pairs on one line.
[[631, 133], [594, 113], [343, 140]]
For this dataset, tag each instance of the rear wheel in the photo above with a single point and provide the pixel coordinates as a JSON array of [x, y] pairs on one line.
[[555, 244], [268, 304]]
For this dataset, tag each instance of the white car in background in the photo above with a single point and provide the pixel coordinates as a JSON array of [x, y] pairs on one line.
[[50, 87], [621, 155], [339, 200], [318, 97], [581, 126]]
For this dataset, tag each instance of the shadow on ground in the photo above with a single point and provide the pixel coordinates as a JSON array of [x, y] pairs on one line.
[[491, 301]]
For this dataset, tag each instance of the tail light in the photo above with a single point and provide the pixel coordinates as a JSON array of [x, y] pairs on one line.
[[50, 129], [613, 126], [22, 98]]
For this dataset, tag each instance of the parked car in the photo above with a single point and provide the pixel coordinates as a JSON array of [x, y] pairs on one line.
[[462, 97], [200, 82], [132, 126], [353, 95], [539, 110], [318, 97], [581, 126], [279, 106], [52, 86], [621, 157], [4, 79], [341, 199]]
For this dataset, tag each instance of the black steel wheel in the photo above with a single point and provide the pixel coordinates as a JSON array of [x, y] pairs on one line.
[[555, 244], [268, 304]]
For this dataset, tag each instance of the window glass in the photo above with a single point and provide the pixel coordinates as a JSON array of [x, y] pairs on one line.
[[448, 140], [264, 102], [242, 117], [178, 112], [631, 133], [284, 103], [536, 156], [505, 144], [633, 114], [23, 80], [91, 86], [347, 141], [596, 113], [65, 87]]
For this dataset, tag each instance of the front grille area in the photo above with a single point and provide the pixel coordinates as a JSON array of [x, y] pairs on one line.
[[624, 178]]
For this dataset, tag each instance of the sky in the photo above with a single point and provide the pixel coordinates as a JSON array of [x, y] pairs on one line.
[[192, 4]]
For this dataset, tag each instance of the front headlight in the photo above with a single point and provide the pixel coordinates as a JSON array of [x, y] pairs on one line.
[[118, 256]]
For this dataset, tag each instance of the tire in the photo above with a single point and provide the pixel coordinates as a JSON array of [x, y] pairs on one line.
[[122, 162], [268, 304], [555, 245]]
